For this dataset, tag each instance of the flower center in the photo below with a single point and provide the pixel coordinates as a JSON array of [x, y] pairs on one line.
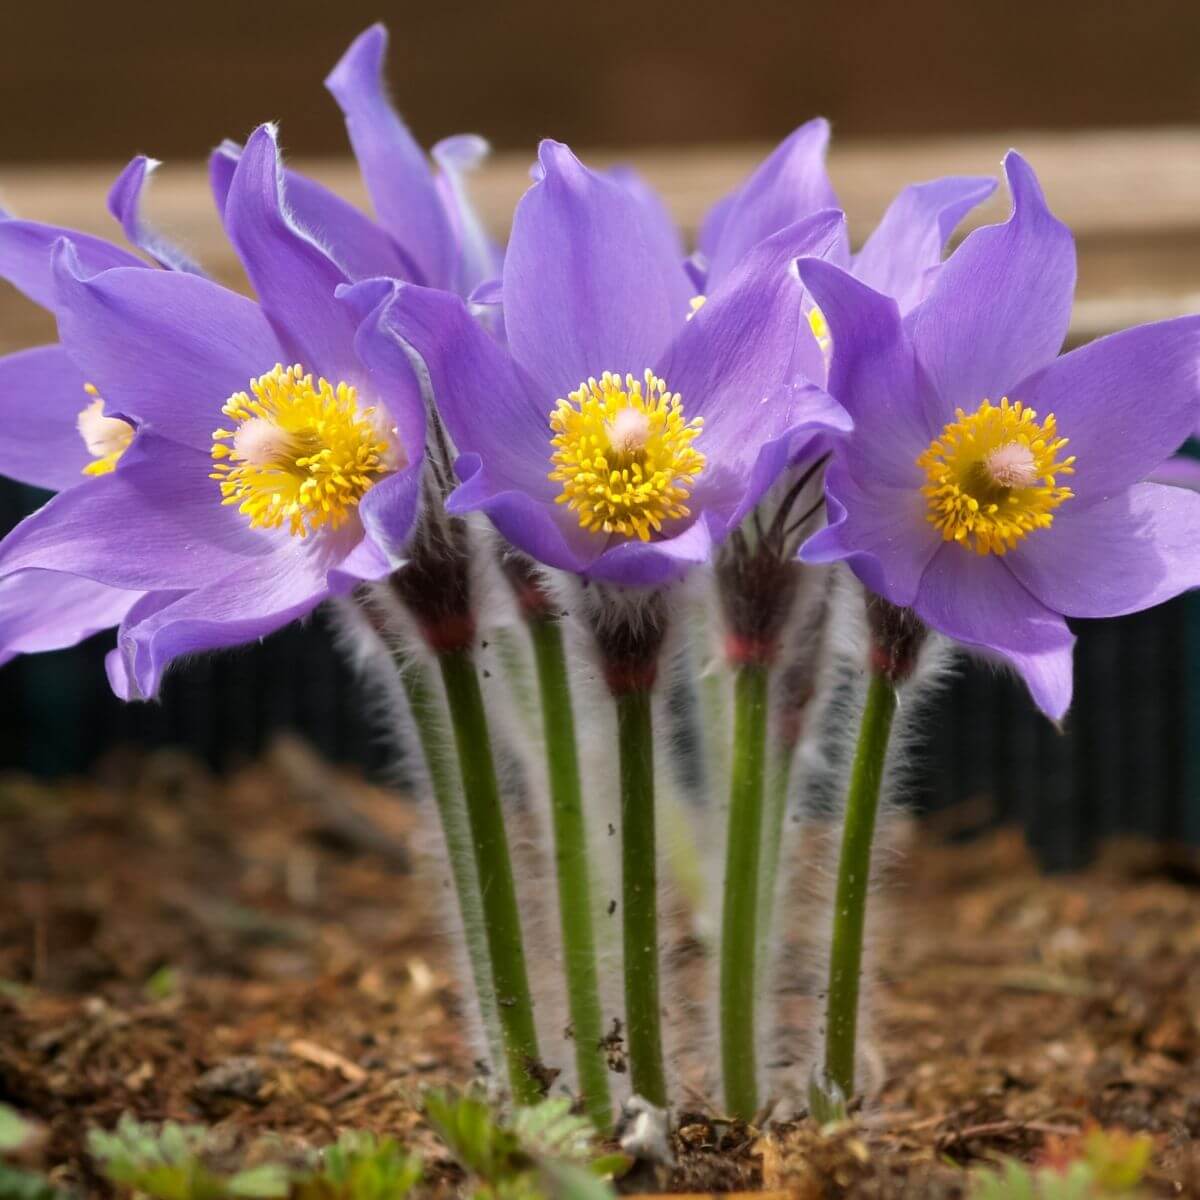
[[300, 451], [992, 476], [106, 438], [624, 455]]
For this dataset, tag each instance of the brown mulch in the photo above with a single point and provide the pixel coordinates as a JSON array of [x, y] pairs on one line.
[[240, 953]]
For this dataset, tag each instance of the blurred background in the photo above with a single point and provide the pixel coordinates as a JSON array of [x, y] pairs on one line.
[[84, 84]]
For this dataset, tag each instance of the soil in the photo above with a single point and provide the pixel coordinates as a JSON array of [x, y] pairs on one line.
[[250, 954]]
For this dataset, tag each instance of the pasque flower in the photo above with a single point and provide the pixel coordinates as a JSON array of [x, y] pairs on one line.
[[900, 258], [614, 436], [57, 430], [990, 486], [272, 466]]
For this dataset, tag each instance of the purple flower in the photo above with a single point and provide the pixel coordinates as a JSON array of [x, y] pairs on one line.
[[994, 488], [900, 258], [614, 436], [272, 464]]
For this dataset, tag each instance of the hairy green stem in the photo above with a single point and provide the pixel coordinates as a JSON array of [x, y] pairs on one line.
[[639, 891], [739, 934], [571, 857], [854, 871], [434, 737], [502, 919], [774, 831]]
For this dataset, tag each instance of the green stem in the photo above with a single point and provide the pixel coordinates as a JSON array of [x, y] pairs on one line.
[[854, 870], [639, 891], [502, 919], [571, 857], [739, 938], [775, 807], [435, 746]]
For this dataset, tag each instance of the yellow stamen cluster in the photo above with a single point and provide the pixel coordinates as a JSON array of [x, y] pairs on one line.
[[106, 438], [820, 329], [992, 476], [624, 455], [300, 452]]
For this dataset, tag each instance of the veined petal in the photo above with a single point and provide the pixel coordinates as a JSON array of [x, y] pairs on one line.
[[788, 186], [295, 279], [880, 531], [976, 600], [27, 250], [47, 610], [1180, 470], [1002, 301], [261, 597], [907, 244], [875, 376], [660, 226], [357, 244], [479, 258], [157, 522], [394, 167], [488, 404], [161, 346], [125, 203], [586, 290], [1125, 403], [1116, 556], [41, 397]]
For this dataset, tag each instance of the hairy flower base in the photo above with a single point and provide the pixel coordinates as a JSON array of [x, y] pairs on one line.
[[106, 438], [624, 455], [992, 476], [300, 452]]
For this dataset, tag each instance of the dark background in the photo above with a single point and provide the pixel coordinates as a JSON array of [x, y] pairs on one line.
[[85, 80]]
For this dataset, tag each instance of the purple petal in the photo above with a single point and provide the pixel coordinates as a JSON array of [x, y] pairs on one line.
[[46, 610], [263, 596], [357, 244], [788, 186], [125, 203], [1178, 471], [907, 244], [41, 397], [155, 522], [295, 279], [977, 601], [478, 256], [488, 404], [1116, 556], [880, 531], [875, 376], [1125, 402], [585, 288], [732, 362], [123, 673], [1001, 304], [27, 250], [660, 226], [161, 346], [394, 167]]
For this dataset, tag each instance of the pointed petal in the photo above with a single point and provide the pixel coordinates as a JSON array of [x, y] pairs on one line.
[[161, 346], [295, 279], [155, 522], [478, 256], [1116, 556], [586, 290], [977, 601], [1002, 302], [907, 244], [394, 167], [1125, 402], [791, 184], [125, 203], [41, 397]]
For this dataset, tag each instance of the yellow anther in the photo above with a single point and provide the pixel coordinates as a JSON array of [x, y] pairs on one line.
[[624, 455], [992, 476], [106, 438], [300, 452]]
